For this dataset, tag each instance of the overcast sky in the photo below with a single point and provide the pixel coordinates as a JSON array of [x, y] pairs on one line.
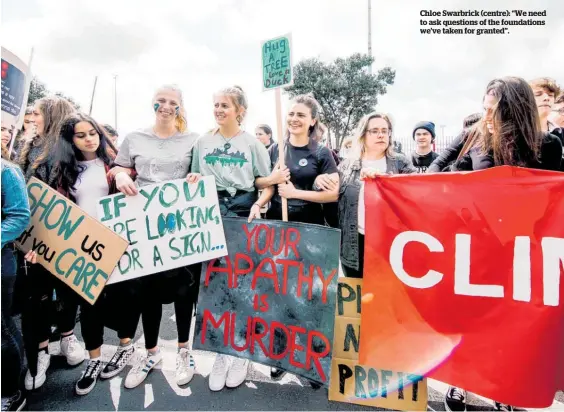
[[205, 45]]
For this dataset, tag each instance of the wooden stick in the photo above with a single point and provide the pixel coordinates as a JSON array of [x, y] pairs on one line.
[[281, 159]]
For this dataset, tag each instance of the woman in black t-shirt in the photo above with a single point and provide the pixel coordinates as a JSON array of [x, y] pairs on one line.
[[304, 160]]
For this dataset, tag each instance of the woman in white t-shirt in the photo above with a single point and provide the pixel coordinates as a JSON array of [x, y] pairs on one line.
[[83, 156]]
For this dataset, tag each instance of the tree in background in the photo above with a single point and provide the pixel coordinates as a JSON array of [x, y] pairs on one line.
[[38, 90], [344, 88]]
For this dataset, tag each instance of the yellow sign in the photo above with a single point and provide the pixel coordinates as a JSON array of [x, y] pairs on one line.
[[360, 384]]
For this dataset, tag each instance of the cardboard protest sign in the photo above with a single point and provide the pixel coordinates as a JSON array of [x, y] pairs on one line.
[[70, 244], [352, 382], [277, 63], [272, 299], [476, 284], [168, 225], [14, 89]]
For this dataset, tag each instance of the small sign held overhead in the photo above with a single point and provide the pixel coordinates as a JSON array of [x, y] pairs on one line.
[[277, 62]]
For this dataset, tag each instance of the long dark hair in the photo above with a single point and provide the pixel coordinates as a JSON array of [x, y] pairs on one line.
[[517, 135], [67, 155], [54, 110], [309, 101]]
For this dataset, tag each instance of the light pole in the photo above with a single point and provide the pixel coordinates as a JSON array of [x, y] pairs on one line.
[[115, 102], [370, 33]]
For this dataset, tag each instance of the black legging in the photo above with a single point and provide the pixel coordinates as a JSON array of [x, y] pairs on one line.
[[41, 284], [177, 285], [119, 302]]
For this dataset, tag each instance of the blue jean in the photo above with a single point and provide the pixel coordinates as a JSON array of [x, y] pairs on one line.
[[12, 343]]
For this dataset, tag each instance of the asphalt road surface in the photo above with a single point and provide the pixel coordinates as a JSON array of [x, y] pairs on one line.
[[159, 392]]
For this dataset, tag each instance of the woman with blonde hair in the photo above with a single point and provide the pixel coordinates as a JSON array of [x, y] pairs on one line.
[[240, 164], [372, 154], [158, 154]]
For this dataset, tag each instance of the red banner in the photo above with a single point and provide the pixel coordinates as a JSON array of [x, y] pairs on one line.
[[463, 281]]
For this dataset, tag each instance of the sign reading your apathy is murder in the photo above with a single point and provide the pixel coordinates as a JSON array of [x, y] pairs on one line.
[[167, 225], [272, 299], [69, 243]]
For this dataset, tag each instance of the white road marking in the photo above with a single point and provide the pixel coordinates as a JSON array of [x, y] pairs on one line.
[[115, 391], [149, 396]]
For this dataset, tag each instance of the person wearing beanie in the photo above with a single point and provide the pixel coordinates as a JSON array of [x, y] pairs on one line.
[[424, 136]]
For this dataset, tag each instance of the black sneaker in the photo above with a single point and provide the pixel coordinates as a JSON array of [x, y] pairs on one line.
[[276, 374], [455, 399], [15, 403], [118, 362], [88, 380], [503, 407]]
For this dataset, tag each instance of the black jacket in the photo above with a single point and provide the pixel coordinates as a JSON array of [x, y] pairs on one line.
[[349, 190], [550, 157], [449, 155]]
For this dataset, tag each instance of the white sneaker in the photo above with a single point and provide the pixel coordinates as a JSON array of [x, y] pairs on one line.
[[185, 367], [72, 349], [218, 374], [141, 369], [43, 362], [237, 372]]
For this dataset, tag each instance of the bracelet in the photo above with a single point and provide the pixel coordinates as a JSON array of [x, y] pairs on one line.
[[256, 204]]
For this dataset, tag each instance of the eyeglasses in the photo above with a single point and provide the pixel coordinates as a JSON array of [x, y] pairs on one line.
[[376, 132]]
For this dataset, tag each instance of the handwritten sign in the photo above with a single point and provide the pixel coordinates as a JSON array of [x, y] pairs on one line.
[[14, 81], [70, 244], [272, 299], [366, 385], [167, 225], [277, 63]]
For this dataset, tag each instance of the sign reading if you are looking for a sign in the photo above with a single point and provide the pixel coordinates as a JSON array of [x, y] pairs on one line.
[[168, 225], [277, 63]]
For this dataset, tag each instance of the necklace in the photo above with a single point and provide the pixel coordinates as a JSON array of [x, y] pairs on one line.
[[160, 137], [227, 145]]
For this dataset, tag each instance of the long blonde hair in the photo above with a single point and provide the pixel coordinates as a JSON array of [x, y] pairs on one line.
[[359, 140], [54, 110], [180, 120]]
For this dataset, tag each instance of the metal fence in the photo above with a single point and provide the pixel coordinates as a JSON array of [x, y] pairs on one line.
[[408, 144]]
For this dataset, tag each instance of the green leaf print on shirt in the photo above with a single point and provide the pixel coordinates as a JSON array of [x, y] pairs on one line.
[[225, 159]]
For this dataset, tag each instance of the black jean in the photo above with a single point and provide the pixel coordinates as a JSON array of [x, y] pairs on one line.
[[12, 343], [356, 273], [311, 213], [236, 206], [180, 286]]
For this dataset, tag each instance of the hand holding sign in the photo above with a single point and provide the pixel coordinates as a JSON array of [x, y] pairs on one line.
[[125, 185]]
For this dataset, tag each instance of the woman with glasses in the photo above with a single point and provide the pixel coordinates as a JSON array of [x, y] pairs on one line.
[[372, 154]]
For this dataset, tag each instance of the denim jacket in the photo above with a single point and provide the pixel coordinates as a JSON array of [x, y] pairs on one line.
[[349, 174], [15, 205]]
